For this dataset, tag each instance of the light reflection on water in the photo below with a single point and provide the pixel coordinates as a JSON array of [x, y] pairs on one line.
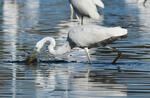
[[24, 22]]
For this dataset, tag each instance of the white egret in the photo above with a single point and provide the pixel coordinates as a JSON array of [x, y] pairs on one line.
[[86, 8], [87, 36]]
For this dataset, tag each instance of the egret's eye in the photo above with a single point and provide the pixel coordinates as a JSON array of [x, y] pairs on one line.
[[35, 48]]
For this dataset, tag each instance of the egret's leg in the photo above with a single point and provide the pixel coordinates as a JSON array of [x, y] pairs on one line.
[[88, 55], [113, 49], [78, 19], [119, 69], [81, 20], [72, 11], [88, 73], [144, 3]]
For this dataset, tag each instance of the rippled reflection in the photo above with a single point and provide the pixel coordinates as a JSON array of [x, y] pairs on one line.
[[30, 14], [69, 81], [10, 23]]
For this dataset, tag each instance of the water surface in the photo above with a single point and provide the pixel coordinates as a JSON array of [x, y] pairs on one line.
[[24, 22]]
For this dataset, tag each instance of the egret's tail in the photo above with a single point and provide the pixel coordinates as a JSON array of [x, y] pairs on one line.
[[95, 15], [118, 31], [99, 3]]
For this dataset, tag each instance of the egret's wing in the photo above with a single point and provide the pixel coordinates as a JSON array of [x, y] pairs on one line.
[[88, 35]]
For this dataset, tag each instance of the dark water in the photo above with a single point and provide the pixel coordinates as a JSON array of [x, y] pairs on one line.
[[24, 22]]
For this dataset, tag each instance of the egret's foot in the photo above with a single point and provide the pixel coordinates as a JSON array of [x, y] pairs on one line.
[[119, 69], [116, 50], [118, 56]]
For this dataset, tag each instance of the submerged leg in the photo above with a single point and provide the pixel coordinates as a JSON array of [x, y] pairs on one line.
[[113, 49], [88, 55], [78, 19], [81, 20], [88, 73]]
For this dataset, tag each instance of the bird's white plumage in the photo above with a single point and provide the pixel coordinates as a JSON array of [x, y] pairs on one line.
[[60, 50], [41, 43], [87, 7], [86, 35], [82, 36]]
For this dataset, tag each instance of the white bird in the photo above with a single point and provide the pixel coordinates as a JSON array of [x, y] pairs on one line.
[[86, 8], [142, 1], [87, 36]]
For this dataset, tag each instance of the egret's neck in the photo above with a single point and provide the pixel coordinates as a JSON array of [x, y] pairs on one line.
[[52, 45], [41, 43], [61, 50]]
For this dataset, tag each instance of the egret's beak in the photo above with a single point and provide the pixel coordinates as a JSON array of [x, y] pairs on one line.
[[32, 57], [36, 54]]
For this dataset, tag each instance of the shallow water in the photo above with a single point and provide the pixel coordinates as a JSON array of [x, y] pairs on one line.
[[24, 22]]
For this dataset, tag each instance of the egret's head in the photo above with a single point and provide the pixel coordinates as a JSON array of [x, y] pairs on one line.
[[38, 46], [36, 49]]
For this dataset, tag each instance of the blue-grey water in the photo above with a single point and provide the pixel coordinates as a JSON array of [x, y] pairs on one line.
[[24, 22]]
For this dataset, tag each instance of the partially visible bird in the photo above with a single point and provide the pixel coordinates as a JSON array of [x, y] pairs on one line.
[[144, 2], [86, 8], [85, 36]]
